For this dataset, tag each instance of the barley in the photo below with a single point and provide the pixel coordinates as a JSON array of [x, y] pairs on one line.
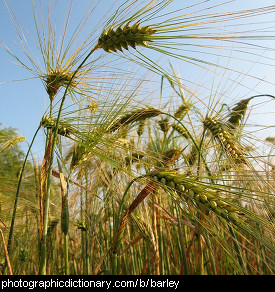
[[182, 110], [199, 194], [220, 132], [135, 116], [140, 197], [123, 37], [79, 155], [270, 140], [10, 143], [192, 156], [93, 106], [49, 123], [52, 225], [133, 158], [170, 156], [81, 225], [181, 131], [65, 216], [56, 79], [141, 127], [164, 125], [238, 113]]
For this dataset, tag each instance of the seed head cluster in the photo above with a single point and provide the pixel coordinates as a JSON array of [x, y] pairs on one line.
[[49, 123], [202, 196], [181, 131], [238, 113], [54, 80], [125, 36], [220, 132], [138, 115]]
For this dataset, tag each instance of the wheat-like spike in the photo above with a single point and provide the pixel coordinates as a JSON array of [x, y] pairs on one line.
[[56, 79], [142, 227], [199, 194], [112, 40], [237, 113], [65, 216], [81, 225], [93, 107], [192, 155], [181, 131], [270, 140], [135, 116], [119, 234], [49, 123], [181, 110], [220, 132], [79, 155], [52, 225], [164, 125], [10, 143], [170, 156], [141, 127], [133, 158]]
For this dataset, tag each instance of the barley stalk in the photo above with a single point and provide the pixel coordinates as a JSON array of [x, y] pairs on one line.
[[6, 252], [43, 185], [43, 262], [140, 197]]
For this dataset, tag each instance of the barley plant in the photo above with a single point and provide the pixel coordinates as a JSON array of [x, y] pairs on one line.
[[155, 161]]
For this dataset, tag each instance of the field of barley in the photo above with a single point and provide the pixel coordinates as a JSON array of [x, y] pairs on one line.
[[152, 151]]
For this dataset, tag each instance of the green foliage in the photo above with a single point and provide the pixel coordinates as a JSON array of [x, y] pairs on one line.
[[145, 174], [11, 157]]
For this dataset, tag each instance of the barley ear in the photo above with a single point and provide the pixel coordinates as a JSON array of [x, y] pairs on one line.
[[112, 40], [221, 133], [198, 194]]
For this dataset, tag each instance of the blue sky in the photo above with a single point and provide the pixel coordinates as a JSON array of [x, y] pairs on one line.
[[23, 103]]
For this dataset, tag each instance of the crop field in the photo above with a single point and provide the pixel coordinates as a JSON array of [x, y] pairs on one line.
[[155, 138]]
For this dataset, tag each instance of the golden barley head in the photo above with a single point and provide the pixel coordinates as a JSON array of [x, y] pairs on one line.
[[121, 38]]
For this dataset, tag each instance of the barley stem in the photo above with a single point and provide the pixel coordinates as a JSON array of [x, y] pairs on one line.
[[42, 268], [17, 193]]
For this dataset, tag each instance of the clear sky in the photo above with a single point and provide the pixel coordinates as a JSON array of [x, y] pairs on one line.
[[22, 103]]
